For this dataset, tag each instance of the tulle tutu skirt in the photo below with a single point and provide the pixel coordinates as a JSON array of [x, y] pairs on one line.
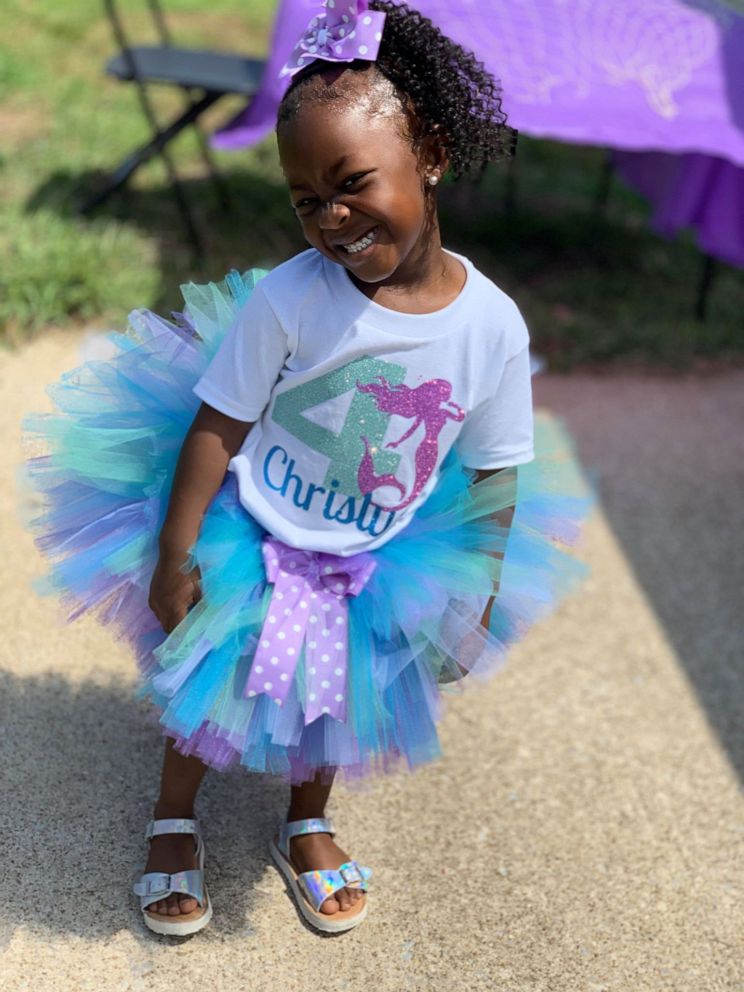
[[110, 451]]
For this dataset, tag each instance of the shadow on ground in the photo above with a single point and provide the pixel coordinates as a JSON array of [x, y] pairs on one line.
[[670, 485], [73, 830]]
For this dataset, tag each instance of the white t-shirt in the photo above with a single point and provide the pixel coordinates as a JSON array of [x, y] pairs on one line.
[[357, 405]]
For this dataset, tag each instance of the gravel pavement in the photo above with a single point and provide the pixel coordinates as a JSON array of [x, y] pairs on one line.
[[584, 831]]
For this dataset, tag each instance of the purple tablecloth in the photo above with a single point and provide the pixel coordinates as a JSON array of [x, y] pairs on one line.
[[634, 75], [697, 191]]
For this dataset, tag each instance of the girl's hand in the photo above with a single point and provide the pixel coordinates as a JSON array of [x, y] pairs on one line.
[[173, 592], [210, 443]]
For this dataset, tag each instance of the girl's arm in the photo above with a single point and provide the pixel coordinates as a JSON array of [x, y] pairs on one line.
[[504, 519], [210, 443]]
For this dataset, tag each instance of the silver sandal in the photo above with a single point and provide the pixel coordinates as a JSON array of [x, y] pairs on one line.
[[311, 888], [156, 885]]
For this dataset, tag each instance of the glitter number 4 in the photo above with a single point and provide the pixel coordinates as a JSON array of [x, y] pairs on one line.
[[346, 449]]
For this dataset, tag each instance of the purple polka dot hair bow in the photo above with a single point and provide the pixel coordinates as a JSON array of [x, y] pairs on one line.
[[308, 608], [347, 30]]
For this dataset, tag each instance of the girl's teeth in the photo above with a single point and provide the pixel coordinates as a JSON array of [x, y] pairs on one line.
[[364, 242]]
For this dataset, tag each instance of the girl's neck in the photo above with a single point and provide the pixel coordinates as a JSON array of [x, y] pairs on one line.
[[428, 280]]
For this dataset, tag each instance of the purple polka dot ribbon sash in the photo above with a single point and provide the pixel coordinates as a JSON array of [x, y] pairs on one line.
[[308, 608], [347, 30]]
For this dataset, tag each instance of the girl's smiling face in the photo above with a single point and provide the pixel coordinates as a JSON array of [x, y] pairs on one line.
[[358, 188]]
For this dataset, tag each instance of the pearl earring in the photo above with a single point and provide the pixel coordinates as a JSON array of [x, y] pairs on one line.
[[432, 179]]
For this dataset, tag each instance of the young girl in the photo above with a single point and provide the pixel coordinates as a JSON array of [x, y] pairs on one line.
[[326, 551]]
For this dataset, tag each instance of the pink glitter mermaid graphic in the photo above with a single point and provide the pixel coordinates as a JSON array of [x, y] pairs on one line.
[[428, 404]]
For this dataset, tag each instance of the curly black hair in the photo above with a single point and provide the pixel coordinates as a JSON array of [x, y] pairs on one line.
[[442, 87]]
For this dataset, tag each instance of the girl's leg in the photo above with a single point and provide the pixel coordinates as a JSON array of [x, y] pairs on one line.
[[179, 784], [315, 852]]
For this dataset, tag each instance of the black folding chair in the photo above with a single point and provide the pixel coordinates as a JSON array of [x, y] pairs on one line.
[[203, 76]]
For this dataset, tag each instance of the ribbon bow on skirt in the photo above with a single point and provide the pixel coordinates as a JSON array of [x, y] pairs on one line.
[[308, 608]]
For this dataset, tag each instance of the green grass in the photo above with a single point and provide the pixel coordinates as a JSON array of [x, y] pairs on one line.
[[594, 288]]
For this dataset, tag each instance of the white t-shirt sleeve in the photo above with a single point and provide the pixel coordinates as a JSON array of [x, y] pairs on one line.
[[239, 379], [498, 432]]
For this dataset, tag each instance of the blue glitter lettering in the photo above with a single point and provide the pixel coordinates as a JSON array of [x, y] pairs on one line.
[[267, 461], [312, 489], [349, 512], [348, 508], [291, 476], [375, 517]]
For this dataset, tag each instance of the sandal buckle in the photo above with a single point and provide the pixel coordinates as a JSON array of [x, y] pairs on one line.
[[350, 873], [159, 883]]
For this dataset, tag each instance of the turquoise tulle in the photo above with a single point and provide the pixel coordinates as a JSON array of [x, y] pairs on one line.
[[105, 478]]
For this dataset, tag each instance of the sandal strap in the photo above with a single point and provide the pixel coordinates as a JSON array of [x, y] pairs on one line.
[[313, 825], [174, 826], [156, 885], [320, 885]]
